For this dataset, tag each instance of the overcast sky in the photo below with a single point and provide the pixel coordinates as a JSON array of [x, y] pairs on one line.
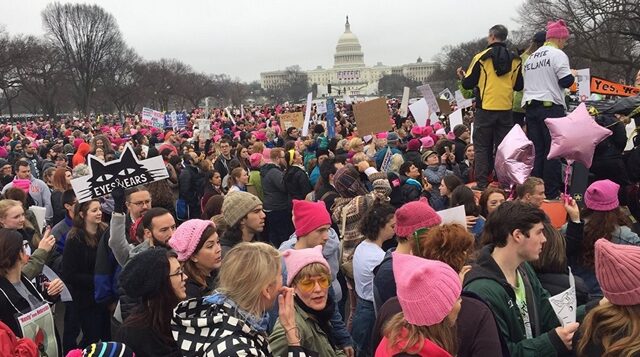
[[243, 38]]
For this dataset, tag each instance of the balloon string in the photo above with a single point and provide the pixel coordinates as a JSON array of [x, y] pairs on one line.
[[567, 172]]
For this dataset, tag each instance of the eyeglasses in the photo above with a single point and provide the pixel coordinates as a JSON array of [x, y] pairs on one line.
[[307, 285], [179, 273], [142, 203]]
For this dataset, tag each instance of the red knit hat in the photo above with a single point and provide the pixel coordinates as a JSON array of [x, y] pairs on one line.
[[415, 215], [618, 272], [308, 216]]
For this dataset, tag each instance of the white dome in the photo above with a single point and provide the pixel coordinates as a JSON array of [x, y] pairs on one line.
[[348, 50]]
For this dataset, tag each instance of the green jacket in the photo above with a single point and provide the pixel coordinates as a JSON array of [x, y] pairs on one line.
[[487, 280], [311, 337], [256, 182]]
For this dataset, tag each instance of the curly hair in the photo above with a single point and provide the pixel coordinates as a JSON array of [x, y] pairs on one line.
[[448, 243], [599, 224], [378, 215]]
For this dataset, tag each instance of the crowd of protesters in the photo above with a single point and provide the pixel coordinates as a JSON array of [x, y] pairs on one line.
[[263, 241]]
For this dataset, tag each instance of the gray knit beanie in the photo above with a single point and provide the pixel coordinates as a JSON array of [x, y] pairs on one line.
[[237, 205]]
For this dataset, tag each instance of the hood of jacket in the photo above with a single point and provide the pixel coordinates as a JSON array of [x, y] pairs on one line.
[[268, 167], [501, 57]]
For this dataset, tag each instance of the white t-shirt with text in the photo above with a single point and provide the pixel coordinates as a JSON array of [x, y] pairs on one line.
[[541, 73]]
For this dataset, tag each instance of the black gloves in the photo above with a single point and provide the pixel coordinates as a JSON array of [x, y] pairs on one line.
[[118, 200]]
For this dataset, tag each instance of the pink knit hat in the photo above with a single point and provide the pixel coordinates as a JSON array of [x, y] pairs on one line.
[[557, 29], [296, 259], [415, 215], [308, 216], [602, 195], [427, 142], [416, 131], [427, 289], [255, 159], [414, 145], [618, 272], [187, 236]]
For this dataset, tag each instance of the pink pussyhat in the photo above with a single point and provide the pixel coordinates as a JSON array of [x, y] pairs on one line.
[[382, 135]]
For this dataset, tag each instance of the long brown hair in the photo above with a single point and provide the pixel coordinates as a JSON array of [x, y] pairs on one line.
[[599, 224], [78, 230], [155, 311], [190, 268], [60, 179], [616, 328], [553, 258], [442, 334]]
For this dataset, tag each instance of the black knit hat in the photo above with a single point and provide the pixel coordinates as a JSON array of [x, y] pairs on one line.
[[144, 273]]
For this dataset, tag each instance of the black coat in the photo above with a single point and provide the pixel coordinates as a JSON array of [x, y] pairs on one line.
[[146, 343], [15, 304], [78, 270], [191, 183], [297, 183]]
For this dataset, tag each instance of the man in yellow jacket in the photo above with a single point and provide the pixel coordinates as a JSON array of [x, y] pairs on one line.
[[493, 74]]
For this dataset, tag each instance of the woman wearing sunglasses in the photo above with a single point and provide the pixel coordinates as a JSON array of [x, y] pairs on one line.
[[308, 273], [156, 278]]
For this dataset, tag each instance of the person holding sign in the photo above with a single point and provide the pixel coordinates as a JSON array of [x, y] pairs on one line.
[[495, 72], [514, 234], [18, 295]]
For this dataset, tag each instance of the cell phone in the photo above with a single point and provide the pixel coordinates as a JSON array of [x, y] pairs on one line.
[[446, 148]]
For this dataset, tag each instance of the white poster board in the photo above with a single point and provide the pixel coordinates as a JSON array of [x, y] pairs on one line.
[[583, 82], [404, 105], [455, 118], [428, 95], [420, 111], [565, 304], [37, 325], [321, 107], [307, 115], [455, 215]]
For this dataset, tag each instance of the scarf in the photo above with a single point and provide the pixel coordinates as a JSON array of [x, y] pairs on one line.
[[258, 323], [322, 317]]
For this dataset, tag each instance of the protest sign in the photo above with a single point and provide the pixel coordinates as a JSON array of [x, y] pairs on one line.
[[289, 120], [204, 126], [445, 107], [126, 171], [455, 215], [37, 325], [40, 214], [428, 95], [372, 117], [321, 107], [565, 304], [461, 101], [603, 86], [404, 105], [455, 119], [153, 118], [307, 115], [583, 79], [347, 99], [175, 120], [331, 118], [420, 111], [447, 95]]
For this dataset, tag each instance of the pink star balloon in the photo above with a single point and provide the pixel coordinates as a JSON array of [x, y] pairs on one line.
[[575, 136], [514, 157]]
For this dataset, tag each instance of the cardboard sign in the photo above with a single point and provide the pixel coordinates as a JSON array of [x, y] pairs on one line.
[[289, 120], [372, 117], [445, 107], [404, 105], [420, 111], [152, 117], [428, 95], [37, 325], [603, 86], [126, 172]]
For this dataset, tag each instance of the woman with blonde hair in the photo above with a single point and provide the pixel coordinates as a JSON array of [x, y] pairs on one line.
[[233, 320], [613, 327], [429, 294], [12, 217]]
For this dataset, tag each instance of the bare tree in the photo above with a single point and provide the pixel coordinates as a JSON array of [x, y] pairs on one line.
[[120, 79], [9, 83], [40, 69], [88, 38], [194, 87]]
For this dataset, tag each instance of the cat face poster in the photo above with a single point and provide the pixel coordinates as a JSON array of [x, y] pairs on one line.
[[127, 171]]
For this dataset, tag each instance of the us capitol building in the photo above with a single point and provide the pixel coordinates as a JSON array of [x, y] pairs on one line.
[[349, 74]]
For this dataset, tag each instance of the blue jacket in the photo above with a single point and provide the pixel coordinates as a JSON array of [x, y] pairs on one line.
[[106, 274]]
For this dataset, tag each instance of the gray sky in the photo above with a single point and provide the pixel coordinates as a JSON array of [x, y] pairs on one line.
[[245, 37]]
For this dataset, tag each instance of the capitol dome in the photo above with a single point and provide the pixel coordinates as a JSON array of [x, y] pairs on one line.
[[348, 50]]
